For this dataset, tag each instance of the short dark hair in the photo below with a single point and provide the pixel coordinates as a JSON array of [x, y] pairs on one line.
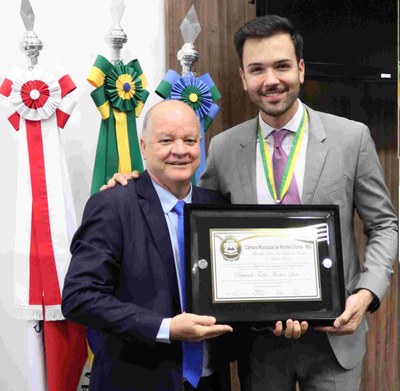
[[267, 26]]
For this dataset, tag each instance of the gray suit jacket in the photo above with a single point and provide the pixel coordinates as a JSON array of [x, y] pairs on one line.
[[342, 168]]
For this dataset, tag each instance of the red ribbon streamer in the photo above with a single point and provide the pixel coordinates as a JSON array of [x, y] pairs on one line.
[[45, 270]]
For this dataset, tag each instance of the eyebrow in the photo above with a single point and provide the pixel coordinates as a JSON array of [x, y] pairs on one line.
[[283, 61], [167, 134], [164, 134]]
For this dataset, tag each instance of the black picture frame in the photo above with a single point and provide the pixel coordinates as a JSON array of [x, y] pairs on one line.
[[201, 220]]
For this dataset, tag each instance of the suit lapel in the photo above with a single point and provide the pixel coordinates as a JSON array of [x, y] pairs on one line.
[[246, 164], [203, 196], [154, 215], [197, 197], [316, 155]]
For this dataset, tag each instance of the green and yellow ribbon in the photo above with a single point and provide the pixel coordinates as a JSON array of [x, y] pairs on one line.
[[291, 162], [119, 96]]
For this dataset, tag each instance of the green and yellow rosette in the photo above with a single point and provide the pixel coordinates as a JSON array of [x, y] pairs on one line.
[[119, 96]]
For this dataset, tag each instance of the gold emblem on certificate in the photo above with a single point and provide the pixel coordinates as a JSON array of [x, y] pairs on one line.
[[230, 248]]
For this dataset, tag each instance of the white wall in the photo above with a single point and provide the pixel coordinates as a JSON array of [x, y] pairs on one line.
[[72, 32]]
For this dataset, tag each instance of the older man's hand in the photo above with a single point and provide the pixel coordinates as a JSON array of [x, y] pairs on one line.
[[191, 327]]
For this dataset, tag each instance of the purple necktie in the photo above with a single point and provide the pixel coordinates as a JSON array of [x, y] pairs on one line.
[[192, 360], [279, 160]]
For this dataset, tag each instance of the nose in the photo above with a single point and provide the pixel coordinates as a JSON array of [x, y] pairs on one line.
[[270, 78], [179, 147]]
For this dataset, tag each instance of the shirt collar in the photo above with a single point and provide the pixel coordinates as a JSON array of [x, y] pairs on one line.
[[292, 125], [167, 199]]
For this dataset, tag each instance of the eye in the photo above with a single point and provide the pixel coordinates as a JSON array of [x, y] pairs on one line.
[[191, 141], [165, 141], [255, 70], [283, 66]]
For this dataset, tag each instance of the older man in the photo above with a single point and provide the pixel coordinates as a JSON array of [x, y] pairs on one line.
[[124, 273]]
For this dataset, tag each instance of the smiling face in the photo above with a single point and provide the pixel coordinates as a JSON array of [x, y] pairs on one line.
[[272, 77], [171, 146]]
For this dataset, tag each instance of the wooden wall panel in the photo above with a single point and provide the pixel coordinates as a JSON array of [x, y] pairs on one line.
[[219, 20]]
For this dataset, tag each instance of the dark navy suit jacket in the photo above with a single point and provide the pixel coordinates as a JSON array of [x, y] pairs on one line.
[[122, 281]]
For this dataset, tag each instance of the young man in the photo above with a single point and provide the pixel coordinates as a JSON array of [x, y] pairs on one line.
[[337, 164], [123, 278]]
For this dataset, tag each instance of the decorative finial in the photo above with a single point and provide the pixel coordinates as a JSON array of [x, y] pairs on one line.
[[31, 44], [116, 37], [190, 29]]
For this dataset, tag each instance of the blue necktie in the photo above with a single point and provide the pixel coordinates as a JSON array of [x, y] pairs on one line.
[[192, 351]]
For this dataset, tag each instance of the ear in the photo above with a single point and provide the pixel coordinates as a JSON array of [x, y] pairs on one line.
[[243, 77], [302, 68], [143, 147]]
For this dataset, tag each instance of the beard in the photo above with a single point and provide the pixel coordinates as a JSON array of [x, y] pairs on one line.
[[279, 108]]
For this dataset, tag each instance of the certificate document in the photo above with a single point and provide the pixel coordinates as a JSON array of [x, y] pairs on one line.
[[262, 264]]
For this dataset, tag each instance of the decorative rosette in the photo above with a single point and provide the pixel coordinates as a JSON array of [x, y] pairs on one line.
[[193, 92], [124, 88], [119, 86], [199, 93], [36, 95]]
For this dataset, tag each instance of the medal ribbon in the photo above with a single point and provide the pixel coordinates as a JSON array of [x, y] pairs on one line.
[[291, 162]]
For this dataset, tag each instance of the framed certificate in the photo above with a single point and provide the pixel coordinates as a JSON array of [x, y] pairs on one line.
[[264, 263]]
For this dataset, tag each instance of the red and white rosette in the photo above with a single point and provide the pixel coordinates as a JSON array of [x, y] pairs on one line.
[[45, 215], [36, 98]]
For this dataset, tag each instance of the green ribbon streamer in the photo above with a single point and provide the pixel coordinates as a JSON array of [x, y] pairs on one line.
[[106, 160]]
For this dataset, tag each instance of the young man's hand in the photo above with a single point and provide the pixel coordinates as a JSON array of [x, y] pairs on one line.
[[121, 178]]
